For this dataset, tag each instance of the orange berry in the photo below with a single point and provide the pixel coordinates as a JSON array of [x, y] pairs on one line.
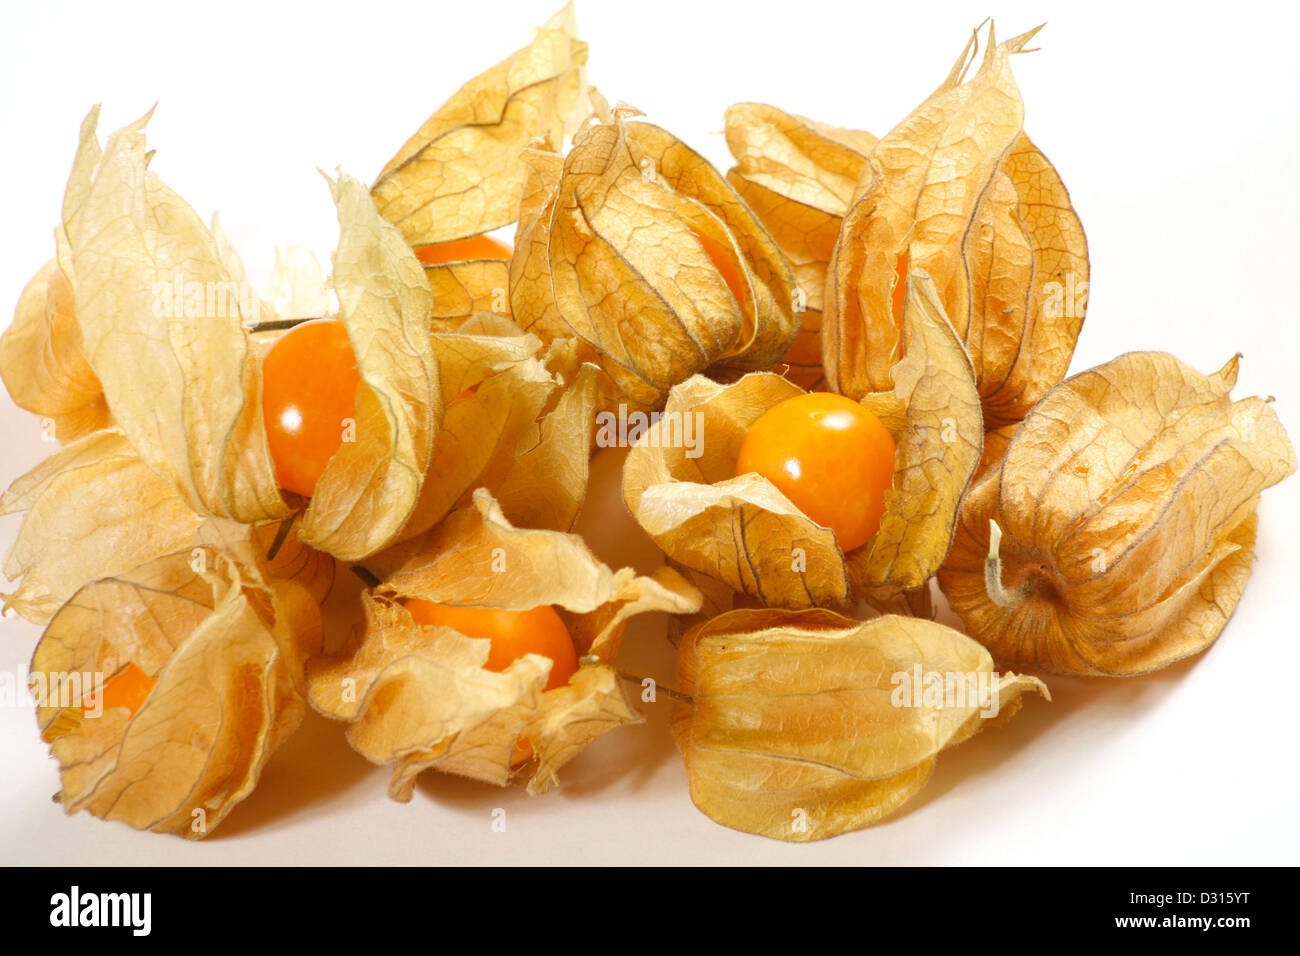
[[831, 457], [512, 633], [309, 387], [462, 250]]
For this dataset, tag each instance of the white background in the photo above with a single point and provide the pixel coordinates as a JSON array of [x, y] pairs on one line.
[[1176, 130]]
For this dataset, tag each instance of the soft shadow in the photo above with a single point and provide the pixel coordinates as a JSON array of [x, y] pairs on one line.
[[301, 780], [1115, 700]]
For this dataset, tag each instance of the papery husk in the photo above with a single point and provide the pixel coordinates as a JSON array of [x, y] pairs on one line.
[[298, 288], [1127, 508], [227, 651], [418, 697], [369, 490], [517, 423], [939, 444], [744, 532], [959, 191], [795, 729], [182, 388], [463, 289], [43, 363], [605, 252], [799, 177], [95, 510], [461, 173]]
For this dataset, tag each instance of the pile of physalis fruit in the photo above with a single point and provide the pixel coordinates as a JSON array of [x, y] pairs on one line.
[[868, 337]]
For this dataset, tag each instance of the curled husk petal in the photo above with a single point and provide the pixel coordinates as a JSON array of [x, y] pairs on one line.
[[419, 698], [94, 510], [802, 725], [368, 491], [461, 173], [225, 651], [163, 323], [959, 191], [517, 423], [43, 363], [609, 250], [1126, 504], [798, 176], [744, 532]]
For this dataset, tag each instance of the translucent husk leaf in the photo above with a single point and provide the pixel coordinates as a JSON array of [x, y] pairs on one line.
[[1027, 258], [226, 652], [1126, 504], [462, 289], [179, 372], [94, 510], [797, 728], [742, 531], [370, 487], [513, 425], [798, 176], [958, 191], [938, 450], [608, 251], [42, 360], [418, 697], [298, 288], [461, 173]]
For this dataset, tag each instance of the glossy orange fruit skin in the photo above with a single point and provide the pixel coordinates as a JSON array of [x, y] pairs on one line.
[[831, 457], [721, 259], [462, 250], [309, 387], [512, 633]]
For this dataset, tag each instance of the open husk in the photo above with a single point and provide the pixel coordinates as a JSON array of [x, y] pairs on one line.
[[225, 650], [518, 423], [742, 531], [958, 190], [609, 250], [418, 697], [1125, 509], [799, 177], [802, 725], [461, 173]]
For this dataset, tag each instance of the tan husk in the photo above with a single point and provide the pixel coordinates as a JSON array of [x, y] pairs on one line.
[[463, 289], [1126, 504], [606, 252], [94, 510], [802, 725], [959, 191], [461, 173], [418, 697], [179, 371], [369, 489], [42, 361], [744, 532], [227, 651], [517, 423], [798, 176]]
